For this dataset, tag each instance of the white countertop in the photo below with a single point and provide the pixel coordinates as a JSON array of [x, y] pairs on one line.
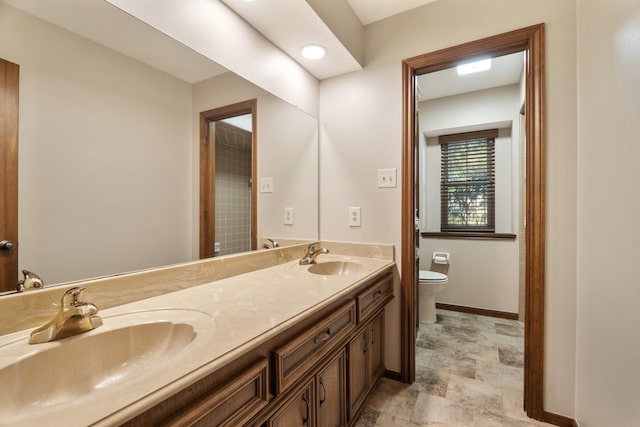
[[239, 313]]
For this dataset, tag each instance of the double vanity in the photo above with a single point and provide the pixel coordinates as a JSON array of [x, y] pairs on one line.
[[250, 339]]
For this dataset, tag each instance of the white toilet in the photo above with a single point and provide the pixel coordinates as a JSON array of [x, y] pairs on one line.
[[430, 283]]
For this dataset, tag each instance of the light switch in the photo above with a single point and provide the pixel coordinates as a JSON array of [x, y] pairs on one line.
[[288, 216], [354, 217], [266, 185], [387, 178]]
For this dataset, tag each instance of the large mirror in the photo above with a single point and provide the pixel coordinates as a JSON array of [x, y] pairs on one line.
[[109, 151]]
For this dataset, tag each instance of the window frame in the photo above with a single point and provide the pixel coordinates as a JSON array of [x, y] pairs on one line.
[[445, 227]]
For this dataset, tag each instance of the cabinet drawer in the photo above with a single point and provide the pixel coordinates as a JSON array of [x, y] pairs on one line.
[[294, 359], [375, 297], [231, 404]]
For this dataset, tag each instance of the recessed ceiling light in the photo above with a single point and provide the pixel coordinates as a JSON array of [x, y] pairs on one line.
[[474, 67], [314, 51]]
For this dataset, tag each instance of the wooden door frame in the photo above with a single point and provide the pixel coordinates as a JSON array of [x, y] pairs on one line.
[[530, 40], [208, 172], [9, 102]]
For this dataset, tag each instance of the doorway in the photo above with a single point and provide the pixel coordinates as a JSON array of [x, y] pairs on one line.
[[228, 192], [531, 41], [9, 83]]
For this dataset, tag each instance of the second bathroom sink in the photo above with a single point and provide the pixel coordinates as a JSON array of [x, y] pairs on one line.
[[331, 268]]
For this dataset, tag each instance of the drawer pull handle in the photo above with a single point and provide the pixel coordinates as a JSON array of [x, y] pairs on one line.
[[377, 294], [324, 392], [305, 420], [323, 337]]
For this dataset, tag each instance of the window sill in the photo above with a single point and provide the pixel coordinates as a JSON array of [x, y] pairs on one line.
[[467, 235]]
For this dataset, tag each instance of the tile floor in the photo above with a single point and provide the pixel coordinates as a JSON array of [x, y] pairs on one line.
[[469, 371]]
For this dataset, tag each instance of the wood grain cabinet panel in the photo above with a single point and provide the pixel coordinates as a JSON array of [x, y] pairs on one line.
[[374, 297], [296, 358], [232, 404], [331, 392], [297, 411], [366, 363], [376, 344]]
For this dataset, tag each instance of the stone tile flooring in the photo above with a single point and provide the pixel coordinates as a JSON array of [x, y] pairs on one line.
[[469, 372]]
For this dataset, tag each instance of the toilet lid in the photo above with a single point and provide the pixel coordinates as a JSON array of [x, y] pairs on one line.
[[432, 276]]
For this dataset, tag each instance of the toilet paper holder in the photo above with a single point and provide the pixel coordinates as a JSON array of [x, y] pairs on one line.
[[441, 257]]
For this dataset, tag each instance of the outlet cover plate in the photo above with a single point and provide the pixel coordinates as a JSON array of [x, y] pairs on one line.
[[354, 217], [288, 216]]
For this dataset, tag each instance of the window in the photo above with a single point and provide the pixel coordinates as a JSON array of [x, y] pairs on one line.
[[467, 186]]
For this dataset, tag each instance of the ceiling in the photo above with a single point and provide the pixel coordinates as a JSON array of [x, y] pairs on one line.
[[288, 24], [369, 11], [505, 70]]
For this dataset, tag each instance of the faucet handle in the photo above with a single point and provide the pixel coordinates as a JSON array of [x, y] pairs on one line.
[[73, 297], [31, 281]]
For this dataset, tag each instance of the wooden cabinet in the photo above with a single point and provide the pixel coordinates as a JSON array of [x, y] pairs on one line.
[[375, 297], [358, 370], [300, 355], [317, 372], [298, 410], [376, 346], [231, 404], [331, 391], [366, 362]]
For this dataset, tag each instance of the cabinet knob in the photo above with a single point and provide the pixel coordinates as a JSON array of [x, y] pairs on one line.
[[323, 337]]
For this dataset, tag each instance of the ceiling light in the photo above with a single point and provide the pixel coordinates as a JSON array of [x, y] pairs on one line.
[[474, 67], [314, 51]]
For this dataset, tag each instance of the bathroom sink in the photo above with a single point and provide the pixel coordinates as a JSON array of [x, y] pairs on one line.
[[332, 268], [126, 353]]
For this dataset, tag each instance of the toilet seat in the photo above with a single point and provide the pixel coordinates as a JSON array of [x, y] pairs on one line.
[[427, 276]]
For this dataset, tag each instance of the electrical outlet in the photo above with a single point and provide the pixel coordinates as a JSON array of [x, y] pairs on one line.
[[387, 178], [266, 185], [354, 217], [288, 216]]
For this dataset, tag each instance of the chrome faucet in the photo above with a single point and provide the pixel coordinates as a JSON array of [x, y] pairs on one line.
[[74, 317], [270, 244], [31, 281], [312, 253]]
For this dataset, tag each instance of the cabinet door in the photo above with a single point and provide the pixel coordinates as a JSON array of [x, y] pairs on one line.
[[331, 393], [376, 348], [358, 370], [299, 410]]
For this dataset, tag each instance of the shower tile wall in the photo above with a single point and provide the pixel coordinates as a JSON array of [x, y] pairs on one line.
[[233, 188]]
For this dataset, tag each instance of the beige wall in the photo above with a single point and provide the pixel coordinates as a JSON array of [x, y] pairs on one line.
[[105, 155], [361, 131], [608, 317]]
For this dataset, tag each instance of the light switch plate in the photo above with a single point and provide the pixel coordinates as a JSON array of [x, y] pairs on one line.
[[354, 217], [387, 178], [266, 185], [288, 216]]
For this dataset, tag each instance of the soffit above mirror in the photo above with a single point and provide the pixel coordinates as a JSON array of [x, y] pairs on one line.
[[96, 21]]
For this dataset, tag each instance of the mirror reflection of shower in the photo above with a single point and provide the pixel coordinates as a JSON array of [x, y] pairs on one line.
[[233, 180]]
